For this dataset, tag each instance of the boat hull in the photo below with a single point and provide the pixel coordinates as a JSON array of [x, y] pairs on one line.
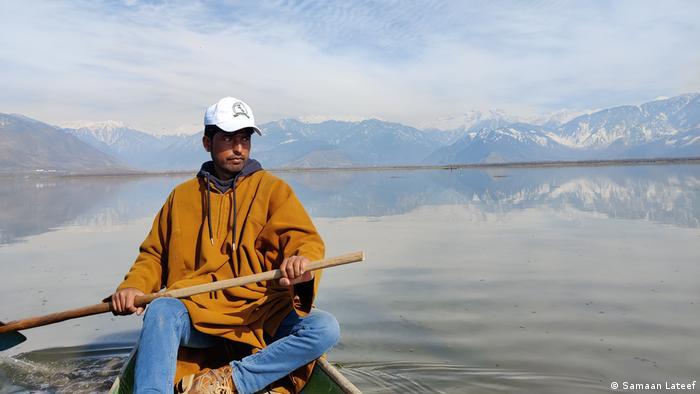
[[324, 379]]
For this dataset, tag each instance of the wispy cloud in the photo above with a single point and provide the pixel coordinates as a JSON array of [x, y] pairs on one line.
[[156, 65]]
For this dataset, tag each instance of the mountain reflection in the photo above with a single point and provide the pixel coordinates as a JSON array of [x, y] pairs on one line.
[[664, 194], [32, 206]]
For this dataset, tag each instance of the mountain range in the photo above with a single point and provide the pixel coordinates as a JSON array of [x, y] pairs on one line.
[[27, 145], [667, 127]]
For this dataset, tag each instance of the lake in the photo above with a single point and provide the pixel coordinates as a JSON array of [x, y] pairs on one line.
[[542, 280]]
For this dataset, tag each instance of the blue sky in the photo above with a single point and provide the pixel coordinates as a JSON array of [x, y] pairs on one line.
[[156, 65]]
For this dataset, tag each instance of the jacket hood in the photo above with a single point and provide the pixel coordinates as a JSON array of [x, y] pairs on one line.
[[207, 172]]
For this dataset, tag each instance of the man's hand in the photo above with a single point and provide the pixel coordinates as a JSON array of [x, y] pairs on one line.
[[294, 271], [123, 301]]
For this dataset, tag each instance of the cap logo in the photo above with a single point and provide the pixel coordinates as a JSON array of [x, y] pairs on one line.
[[239, 109]]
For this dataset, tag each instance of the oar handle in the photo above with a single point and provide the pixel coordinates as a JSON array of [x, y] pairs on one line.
[[38, 321], [263, 276]]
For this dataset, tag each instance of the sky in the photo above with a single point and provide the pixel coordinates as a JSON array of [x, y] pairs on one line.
[[156, 65]]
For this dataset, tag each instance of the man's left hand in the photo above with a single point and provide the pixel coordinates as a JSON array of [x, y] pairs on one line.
[[294, 271]]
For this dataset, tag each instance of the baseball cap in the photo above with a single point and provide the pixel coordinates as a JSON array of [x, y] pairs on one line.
[[230, 114]]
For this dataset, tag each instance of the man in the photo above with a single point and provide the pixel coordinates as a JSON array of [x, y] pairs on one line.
[[233, 219]]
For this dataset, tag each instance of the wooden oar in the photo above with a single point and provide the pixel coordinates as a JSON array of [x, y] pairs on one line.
[[10, 339], [9, 336]]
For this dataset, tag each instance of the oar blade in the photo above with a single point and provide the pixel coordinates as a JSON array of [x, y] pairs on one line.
[[10, 339]]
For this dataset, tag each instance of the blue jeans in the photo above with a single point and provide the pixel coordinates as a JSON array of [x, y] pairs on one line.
[[167, 326]]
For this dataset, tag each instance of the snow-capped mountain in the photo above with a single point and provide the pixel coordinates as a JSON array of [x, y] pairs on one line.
[[668, 127], [660, 128], [555, 119], [517, 142], [633, 125], [28, 145], [470, 120], [112, 135], [495, 118], [131, 146]]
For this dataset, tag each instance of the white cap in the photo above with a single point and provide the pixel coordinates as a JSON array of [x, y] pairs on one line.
[[230, 114]]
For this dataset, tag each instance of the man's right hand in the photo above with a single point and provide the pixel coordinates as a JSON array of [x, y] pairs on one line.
[[123, 301]]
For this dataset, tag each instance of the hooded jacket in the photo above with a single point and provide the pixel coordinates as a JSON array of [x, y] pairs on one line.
[[211, 230]]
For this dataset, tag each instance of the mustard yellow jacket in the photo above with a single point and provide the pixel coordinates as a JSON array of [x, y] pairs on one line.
[[194, 240]]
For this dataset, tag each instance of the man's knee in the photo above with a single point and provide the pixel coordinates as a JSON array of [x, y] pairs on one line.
[[325, 328], [164, 312]]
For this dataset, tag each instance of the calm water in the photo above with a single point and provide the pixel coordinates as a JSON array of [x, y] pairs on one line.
[[511, 280]]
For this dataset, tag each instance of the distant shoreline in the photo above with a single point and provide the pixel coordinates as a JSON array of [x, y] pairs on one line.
[[525, 164], [477, 166]]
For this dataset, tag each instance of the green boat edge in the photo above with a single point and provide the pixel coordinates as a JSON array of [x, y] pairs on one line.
[[324, 379]]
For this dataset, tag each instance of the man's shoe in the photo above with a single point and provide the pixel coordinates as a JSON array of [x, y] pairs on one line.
[[209, 381]]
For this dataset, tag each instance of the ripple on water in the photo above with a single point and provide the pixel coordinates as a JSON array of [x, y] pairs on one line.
[[408, 377], [82, 369]]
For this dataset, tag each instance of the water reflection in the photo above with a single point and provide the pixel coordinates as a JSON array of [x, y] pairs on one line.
[[32, 206], [665, 194], [662, 194]]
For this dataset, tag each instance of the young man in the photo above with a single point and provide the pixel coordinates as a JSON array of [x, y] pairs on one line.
[[233, 219]]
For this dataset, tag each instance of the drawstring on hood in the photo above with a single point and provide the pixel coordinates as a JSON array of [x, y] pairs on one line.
[[233, 203], [208, 174], [211, 233]]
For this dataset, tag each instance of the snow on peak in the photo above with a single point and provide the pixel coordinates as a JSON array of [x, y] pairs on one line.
[[110, 132], [555, 118], [469, 119], [465, 120], [315, 119], [94, 125], [520, 134]]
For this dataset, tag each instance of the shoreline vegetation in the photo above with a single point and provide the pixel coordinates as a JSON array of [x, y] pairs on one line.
[[451, 167]]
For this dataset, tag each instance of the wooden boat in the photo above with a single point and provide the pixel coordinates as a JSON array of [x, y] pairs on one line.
[[325, 379]]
